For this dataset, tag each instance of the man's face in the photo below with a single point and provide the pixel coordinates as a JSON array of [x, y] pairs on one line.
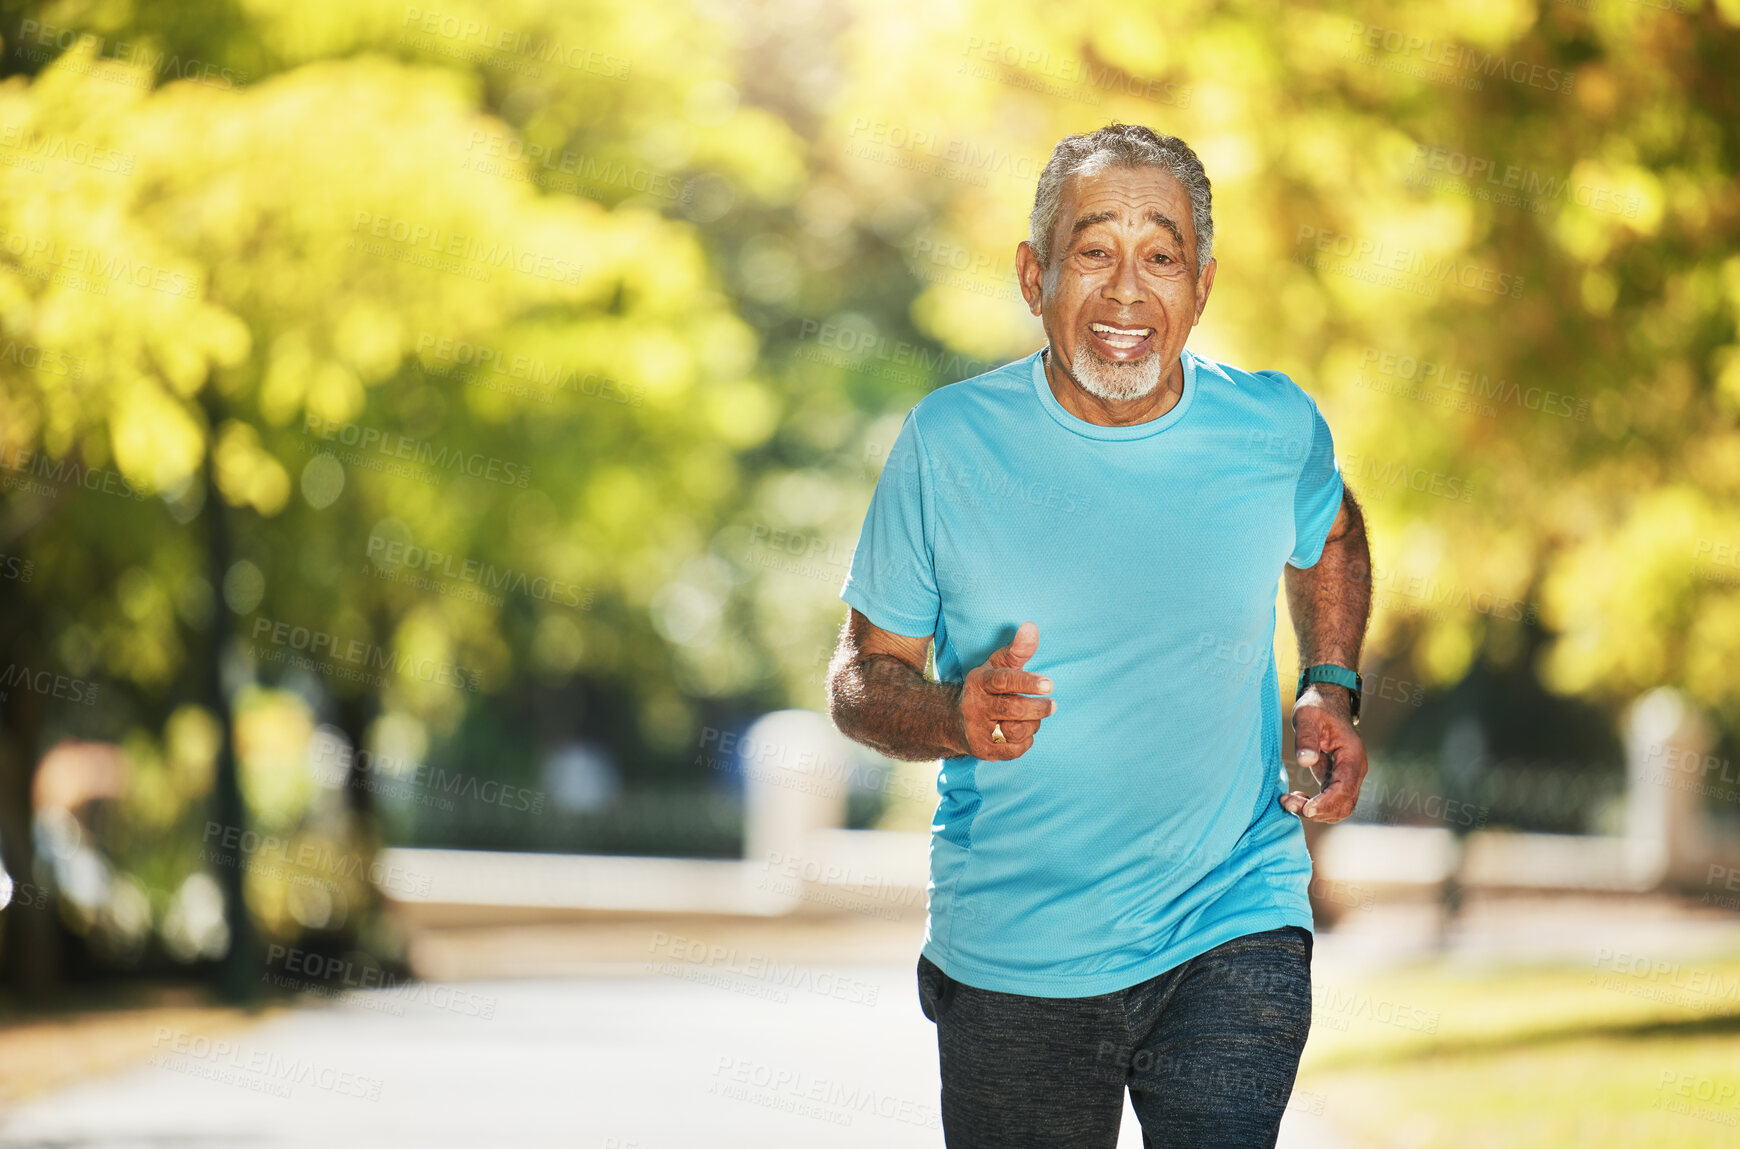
[[1122, 292]]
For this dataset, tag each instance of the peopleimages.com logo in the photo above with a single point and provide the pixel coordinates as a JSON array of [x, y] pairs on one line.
[[325, 650]]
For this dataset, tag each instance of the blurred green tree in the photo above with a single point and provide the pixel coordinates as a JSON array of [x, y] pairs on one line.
[[629, 303]]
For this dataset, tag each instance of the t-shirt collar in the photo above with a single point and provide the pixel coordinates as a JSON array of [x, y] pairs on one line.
[[1042, 388]]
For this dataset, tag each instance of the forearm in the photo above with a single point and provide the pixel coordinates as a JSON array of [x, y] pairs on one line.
[[1331, 601], [890, 707]]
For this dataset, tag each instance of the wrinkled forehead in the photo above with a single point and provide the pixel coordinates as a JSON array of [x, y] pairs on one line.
[[1134, 200]]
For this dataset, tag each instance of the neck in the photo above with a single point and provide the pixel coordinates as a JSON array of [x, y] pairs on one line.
[[1091, 408]]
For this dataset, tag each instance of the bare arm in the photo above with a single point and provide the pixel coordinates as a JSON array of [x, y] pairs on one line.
[[1331, 603], [878, 695]]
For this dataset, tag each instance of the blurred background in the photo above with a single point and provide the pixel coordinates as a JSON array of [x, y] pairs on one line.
[[433, 438]]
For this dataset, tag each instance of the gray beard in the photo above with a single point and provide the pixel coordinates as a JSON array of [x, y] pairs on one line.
[[1109, 380]]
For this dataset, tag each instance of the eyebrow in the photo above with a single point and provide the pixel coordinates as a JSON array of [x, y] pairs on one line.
[[1154, 217]]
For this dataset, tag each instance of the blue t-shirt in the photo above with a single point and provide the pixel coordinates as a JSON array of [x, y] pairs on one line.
[[1143, 827]]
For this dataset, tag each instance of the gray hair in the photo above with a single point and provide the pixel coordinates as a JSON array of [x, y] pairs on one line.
[[1121, 146]]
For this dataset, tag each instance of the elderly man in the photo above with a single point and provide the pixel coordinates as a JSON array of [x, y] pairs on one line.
[[1092, 536]]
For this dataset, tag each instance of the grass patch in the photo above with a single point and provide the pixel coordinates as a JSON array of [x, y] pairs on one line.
[[1441, 1056]]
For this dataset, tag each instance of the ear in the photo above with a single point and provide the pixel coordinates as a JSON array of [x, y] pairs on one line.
[[1204, 285], [1030, 275]]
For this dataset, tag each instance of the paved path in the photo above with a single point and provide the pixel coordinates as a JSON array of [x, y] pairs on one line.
[[746, 1050], [632, 1062]]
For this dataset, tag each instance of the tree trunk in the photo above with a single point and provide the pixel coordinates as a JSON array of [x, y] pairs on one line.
[[239, 979], [31, 940]]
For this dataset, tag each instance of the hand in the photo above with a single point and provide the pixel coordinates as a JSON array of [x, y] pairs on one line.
[[1325, 742], [997, 692]]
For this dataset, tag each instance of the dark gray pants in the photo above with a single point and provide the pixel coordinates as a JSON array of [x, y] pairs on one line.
[[1208, 1050]]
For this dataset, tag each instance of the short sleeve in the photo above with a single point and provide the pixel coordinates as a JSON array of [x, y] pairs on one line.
[[1317, 499], [892, 579]]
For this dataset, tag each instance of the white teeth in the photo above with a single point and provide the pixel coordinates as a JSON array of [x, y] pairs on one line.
[[1108, 329]]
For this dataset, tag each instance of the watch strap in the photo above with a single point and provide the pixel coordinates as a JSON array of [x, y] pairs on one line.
[[1337, 675]]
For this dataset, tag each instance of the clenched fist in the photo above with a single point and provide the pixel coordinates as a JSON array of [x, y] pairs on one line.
[[1328, 745], [997, 692]]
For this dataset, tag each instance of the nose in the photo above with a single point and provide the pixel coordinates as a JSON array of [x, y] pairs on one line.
[[1125, 286]]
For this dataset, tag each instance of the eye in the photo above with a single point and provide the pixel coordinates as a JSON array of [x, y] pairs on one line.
[[1162, 257]]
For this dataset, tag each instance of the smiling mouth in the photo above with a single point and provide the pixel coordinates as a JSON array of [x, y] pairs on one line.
[[1121, 339]]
